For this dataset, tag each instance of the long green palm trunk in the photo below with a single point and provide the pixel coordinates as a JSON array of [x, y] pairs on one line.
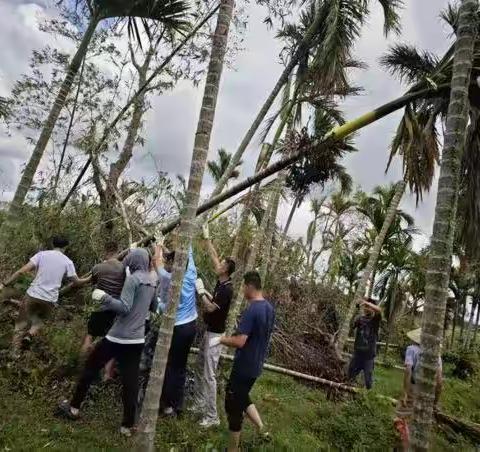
[[371, 264], [475, 331], [441, 245], [148, 420], [276, 255], [37, 154], [250, 265], [337, 133], [270, 232]]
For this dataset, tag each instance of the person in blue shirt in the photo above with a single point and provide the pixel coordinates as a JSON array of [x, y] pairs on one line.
[[251, 341], [173, 392]]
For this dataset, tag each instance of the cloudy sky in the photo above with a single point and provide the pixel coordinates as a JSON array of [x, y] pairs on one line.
[[170, 125]]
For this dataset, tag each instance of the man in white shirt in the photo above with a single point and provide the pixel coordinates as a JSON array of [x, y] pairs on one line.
[[50, 267]]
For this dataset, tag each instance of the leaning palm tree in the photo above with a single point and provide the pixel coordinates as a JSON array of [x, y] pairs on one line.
[[384, 215], [396, 262], [331, 26], [170, 12], [439, 263], [149, 414]]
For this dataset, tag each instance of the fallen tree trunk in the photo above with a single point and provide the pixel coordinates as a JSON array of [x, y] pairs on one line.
[[470, 429], [293, 373]]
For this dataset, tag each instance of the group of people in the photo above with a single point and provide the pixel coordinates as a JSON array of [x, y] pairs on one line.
[[125, 294]]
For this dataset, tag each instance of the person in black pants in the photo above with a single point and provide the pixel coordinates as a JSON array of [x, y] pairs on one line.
[[173, 392], [124, 341], [251, 343]]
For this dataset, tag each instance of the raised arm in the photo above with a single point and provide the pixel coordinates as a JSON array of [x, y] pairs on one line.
[[372, 306], [211, 249]]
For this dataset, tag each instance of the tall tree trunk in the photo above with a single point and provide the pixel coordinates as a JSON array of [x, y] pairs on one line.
[[250, 265], [462, 318], [299, 53], [148, 420], [268, 239], [454, 322], [69, 129], [371, 264], [371, 282], [37, 154], [474, 339], [441, 244], [468, 335], [281, 243]]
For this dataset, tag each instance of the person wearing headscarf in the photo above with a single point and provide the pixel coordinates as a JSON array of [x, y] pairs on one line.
[[124, 341]]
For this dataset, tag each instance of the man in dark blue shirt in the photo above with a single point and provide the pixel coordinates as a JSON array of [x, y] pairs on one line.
[[251, 341]]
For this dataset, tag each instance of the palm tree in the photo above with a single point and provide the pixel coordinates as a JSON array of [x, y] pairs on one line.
[[338, 206], [331, 26], [385, 217], [169, 12], [217, 168], [149, 414], [396, 263], [439, 263]]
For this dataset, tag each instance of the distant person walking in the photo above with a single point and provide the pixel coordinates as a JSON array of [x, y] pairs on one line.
[[215, 312], [50, 268], [252, 341], [365, 347]]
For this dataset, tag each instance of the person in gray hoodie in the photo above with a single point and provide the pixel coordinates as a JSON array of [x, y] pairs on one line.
[[124, 341]]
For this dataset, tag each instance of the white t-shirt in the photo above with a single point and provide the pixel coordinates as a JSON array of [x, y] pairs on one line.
[[51, 267]]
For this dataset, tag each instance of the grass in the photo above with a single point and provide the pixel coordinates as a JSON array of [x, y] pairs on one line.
[[299, 416]]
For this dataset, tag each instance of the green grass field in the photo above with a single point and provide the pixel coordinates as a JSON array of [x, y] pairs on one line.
[[299, 416]]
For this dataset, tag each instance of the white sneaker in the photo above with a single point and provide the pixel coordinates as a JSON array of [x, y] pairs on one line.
[[209, 423], [126, 431]]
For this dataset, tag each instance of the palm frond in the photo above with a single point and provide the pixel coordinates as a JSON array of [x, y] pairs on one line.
[[408, 63], [450, 16], [391, 15], [416, 140]]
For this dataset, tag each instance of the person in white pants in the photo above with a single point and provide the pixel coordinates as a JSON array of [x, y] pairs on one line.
[[215, 315]]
